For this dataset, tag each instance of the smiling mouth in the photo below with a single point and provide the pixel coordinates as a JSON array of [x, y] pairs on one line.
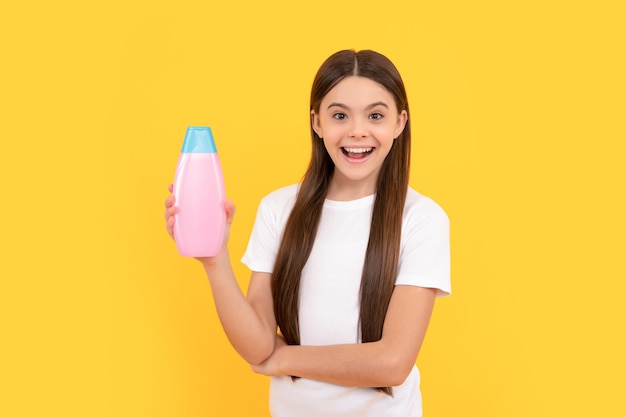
[[357, 153]]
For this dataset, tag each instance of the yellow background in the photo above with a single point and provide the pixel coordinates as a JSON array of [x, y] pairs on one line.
[[518, 120]]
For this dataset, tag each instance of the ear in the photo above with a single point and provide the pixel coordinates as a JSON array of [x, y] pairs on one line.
[[315, 123], [401, 123]]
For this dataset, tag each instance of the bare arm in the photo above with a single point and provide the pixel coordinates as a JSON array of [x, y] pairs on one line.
[[386, 362], [248, 322]]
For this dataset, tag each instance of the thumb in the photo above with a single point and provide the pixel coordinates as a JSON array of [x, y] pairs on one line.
[[230, 209]]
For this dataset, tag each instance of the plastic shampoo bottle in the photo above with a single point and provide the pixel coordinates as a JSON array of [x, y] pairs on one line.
[[200, 194]]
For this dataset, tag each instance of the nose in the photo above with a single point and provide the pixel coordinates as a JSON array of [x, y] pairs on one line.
[[358, 128]]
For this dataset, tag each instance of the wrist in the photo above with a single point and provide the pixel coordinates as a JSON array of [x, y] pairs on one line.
[[213, 261], [282, 360]]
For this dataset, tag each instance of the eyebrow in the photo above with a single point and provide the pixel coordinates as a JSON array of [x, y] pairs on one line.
[[343, 106]]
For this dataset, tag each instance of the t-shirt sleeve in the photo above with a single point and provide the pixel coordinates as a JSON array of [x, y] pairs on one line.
[[425, 251], [264, 240]]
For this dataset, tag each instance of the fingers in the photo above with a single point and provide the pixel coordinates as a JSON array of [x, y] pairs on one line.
[[169, 226], [170, 211], [169, 203], [170, 220]]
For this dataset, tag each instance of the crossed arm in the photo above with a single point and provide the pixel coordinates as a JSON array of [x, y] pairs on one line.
[[249, 324], [386, 362]]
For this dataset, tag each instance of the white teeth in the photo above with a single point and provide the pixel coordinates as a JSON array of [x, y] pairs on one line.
[[358, 150]]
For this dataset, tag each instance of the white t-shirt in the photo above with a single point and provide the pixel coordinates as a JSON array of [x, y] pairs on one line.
[[329, 293]]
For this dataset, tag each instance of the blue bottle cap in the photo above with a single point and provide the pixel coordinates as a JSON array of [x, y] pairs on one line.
[[199, 139]]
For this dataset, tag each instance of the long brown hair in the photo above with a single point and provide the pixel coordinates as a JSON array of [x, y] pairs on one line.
[[383, 249]]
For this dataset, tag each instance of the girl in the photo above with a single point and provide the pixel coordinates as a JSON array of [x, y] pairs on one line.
[[347, 264]]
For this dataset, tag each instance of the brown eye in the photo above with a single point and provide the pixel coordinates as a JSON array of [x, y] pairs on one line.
[[376, 116], [339, 116]]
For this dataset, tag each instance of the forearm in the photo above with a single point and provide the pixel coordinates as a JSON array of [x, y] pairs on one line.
[[373, 364], [384, 363], [251, 337]]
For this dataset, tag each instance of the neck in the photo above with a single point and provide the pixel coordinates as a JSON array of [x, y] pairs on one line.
[[347, 190]]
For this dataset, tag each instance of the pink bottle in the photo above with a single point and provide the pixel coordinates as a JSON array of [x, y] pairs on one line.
[[200, 194]]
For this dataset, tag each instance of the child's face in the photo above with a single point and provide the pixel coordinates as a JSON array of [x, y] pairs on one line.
[[358, 122]]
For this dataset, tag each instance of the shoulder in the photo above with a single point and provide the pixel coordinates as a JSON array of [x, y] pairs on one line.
[[280, 201], [282, 196], [425, 245], [419, 207]]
